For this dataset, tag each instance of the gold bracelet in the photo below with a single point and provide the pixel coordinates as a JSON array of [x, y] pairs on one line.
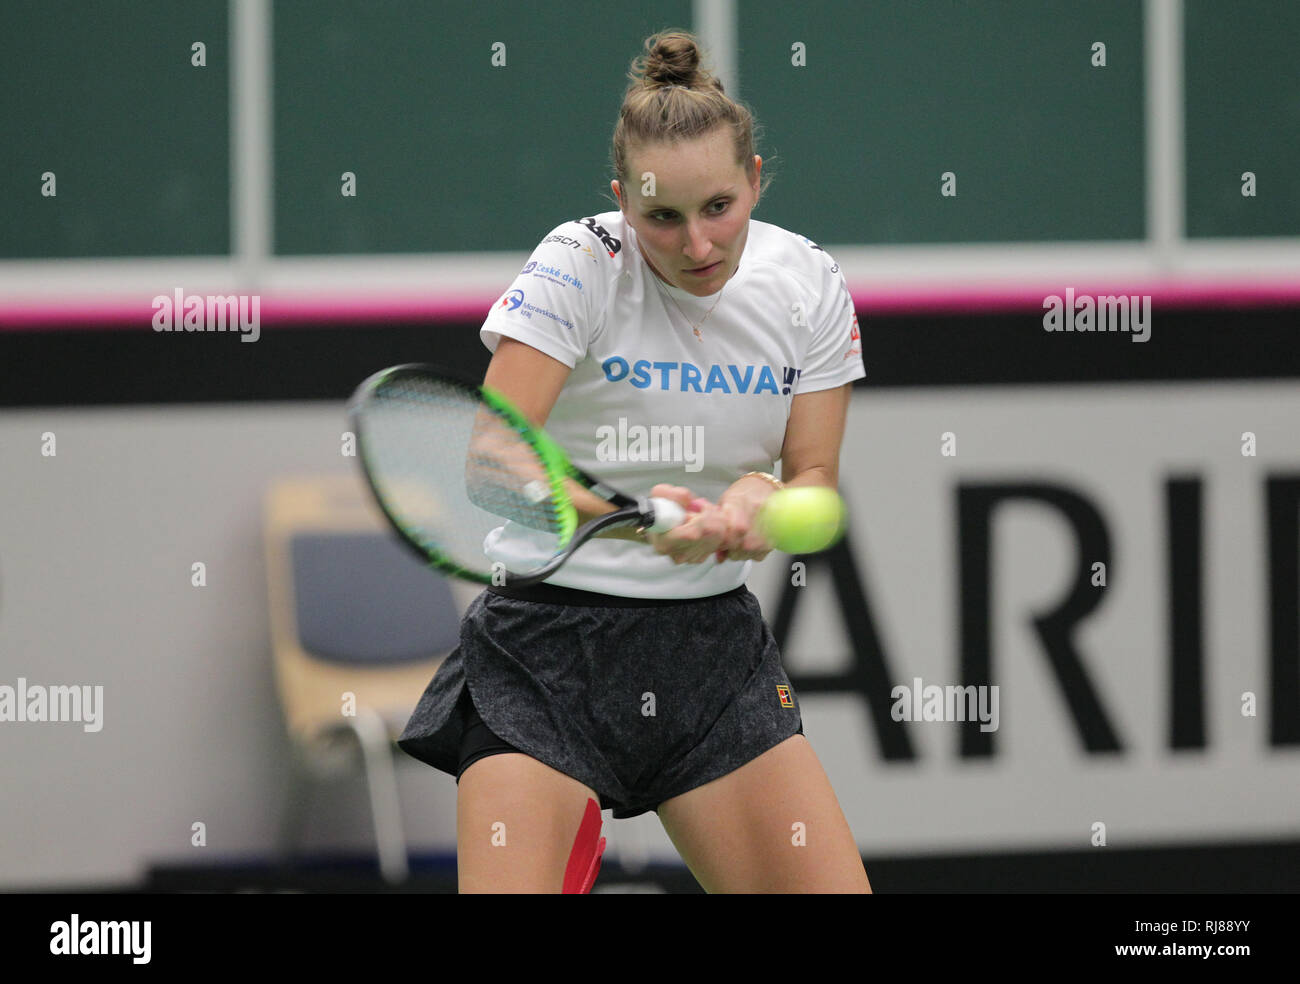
[[775, 482]]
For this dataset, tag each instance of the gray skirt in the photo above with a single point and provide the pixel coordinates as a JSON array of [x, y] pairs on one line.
[[638, 701]]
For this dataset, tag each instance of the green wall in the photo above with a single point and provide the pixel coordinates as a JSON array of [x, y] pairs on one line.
[[452, 153]]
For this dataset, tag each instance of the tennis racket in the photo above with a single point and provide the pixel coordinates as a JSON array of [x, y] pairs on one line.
[[455, 467]]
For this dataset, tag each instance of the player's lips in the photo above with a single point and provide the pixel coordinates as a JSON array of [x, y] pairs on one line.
[[701, 271]]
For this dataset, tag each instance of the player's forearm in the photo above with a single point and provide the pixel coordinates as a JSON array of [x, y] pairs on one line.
[[824, 475], [753, 489]]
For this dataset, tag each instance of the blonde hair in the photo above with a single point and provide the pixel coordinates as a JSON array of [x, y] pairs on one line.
[[672, 98]]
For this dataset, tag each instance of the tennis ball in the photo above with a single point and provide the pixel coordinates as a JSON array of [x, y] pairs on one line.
[[803, 519]]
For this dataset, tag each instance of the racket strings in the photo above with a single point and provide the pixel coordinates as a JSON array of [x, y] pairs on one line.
[[450, 469], [504, 475]]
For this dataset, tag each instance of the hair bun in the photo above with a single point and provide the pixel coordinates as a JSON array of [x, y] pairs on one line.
[[672, 59]]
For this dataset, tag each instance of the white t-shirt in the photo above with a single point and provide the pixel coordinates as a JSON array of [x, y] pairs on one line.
[[651, 401]]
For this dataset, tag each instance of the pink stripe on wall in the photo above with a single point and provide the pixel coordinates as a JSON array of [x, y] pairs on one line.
[[337, 310], [283, 311], [1169, 294]]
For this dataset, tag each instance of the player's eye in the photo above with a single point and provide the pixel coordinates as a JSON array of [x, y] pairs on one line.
[[666, 216]]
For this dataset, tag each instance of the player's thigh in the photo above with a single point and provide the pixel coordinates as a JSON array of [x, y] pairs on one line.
[[773, 825], [516, 820]]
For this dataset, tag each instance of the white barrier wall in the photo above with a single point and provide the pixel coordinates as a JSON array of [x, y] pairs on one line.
[[97, 543]]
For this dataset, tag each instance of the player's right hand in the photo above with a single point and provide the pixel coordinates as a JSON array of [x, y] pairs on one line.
[[706, 530]]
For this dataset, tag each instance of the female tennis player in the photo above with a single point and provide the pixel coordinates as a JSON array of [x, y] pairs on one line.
[[673, 347]]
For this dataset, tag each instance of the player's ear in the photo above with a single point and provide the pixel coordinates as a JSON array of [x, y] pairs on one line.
[[615, 188]]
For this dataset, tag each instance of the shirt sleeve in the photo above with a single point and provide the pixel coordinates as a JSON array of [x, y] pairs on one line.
[[835, 347], [555, 300]]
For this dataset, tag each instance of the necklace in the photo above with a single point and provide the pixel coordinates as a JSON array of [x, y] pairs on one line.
[[694, 327]]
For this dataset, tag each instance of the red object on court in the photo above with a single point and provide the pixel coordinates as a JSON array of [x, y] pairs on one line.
[[588, 848]]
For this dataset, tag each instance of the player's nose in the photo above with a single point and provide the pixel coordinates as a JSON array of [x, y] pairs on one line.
[[698, 246]]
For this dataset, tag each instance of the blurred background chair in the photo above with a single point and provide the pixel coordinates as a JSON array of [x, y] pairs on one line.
[[359, 626]]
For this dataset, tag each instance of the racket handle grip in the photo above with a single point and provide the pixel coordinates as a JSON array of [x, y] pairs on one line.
[[668, 515]]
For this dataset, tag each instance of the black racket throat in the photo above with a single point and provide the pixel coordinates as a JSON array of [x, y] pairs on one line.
[[632, 515]]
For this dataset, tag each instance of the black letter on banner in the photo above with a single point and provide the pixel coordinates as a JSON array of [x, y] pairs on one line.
[[1284, 609], [975, 505], [869, 674], [1186, 605]]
